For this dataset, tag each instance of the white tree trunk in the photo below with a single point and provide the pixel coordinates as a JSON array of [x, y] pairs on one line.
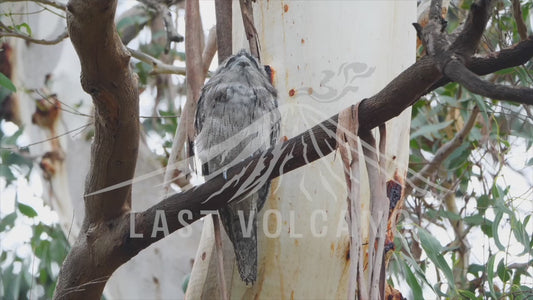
[[326, 56]]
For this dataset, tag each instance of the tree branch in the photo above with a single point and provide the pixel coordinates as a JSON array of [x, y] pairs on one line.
[[28, 38], [400, 93], [249, 27], [520, 25], [456, 71], [55, 4], [507, 58], [158, 66], [282, 158], [224, 12], [106, 76], [468, 39]]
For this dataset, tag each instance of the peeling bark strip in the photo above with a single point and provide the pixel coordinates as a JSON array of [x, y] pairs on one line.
[[367, 268], [347, 143], [195, 78], [104, 242]]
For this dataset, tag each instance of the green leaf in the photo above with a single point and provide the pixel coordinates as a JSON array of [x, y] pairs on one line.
[[8, 221], [6, 82], [466, 4], [185, 283], [42, 249], [476, 269], [6, 172], [11, 282], [483, 203], [520, 233], [25, 26], [428, 130], [503, 272], [530, 162], [495, 233], [411, 281], [136, 20], [465, 294], [490, 275], [480, 102], [12, 139], [475, 220], [26, 210], [433, 250], [487, 229], [458, 157]]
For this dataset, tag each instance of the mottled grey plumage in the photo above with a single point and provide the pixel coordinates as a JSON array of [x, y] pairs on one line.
[[237, 116]]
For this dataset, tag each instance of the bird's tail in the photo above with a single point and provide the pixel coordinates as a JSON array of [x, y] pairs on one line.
[[240, 223]]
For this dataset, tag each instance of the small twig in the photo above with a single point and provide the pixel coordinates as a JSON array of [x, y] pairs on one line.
[[444, 152], [521, 265], [46, 2], [28, 38], [456, 71], [158, 66], [249, 27], [17, 148], [520, 25]]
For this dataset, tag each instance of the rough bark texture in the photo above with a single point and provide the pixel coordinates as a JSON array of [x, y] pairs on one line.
[[224, 38], [106, 240], [107, 78]]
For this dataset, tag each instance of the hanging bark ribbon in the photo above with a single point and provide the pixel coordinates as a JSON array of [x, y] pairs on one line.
[[367, 268]]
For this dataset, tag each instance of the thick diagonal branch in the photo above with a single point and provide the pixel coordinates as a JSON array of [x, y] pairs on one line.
[[511, 57], [468, 39], [106, 76], [456, 71]]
